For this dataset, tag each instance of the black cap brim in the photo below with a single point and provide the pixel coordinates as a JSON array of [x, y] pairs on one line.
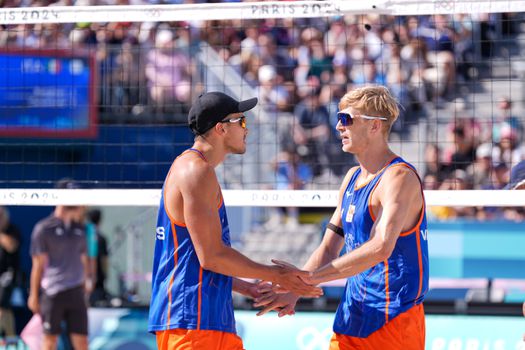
[[246, 105]]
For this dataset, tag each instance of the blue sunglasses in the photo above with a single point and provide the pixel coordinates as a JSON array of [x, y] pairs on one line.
[[346, 119]]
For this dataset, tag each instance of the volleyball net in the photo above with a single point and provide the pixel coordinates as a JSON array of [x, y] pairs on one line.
[[101, 94]]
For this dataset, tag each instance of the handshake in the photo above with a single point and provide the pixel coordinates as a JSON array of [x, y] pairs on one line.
[[288, 284]]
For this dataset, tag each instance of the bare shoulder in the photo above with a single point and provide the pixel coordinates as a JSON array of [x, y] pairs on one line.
[[192, 173], [401, 174], [400, 179]]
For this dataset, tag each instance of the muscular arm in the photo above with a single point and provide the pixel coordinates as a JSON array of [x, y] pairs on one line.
[[200, 189], [332, 243], [398, 194]]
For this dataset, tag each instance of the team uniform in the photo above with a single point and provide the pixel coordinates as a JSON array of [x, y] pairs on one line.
[[191, 308], [382, 307]]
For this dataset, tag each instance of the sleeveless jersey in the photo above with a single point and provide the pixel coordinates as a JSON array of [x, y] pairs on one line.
[[184, 295], [377, 295]]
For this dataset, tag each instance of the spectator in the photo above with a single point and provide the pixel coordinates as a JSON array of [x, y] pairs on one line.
[[517, 182], [462, 151], [273, 96], [311, 130], [292, 174], [458, 180], [9, 269], [61, 276], [99, 295], [505, 120], [481, 169], [433, 163], [507, 149], [168, 73]]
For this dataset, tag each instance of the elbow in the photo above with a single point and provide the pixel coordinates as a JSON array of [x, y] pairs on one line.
[[383, 251], [210, 262]]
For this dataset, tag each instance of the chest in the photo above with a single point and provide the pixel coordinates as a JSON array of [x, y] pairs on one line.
[[64, 241]]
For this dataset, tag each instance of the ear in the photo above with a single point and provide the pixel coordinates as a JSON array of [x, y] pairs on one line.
[[376, 126], [219, 128]]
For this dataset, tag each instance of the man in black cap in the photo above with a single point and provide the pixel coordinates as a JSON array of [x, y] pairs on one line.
[[191, 303], [61, 273]]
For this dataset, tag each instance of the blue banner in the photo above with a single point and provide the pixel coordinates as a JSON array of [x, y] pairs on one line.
[[46, 93]]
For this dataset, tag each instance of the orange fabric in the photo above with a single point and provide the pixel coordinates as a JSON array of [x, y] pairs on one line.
[[188, 339], [404, 332]]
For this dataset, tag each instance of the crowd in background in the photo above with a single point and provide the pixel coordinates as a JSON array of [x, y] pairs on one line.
[[301, 68]]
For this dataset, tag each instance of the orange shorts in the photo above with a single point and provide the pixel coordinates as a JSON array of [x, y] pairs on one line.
[[405, 332], [188, 339]]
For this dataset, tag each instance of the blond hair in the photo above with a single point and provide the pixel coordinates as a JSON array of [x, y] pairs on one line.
[[372, 100]]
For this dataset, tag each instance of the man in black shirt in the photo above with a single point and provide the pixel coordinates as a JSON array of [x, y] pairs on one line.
[[61, 276], [9, 268]]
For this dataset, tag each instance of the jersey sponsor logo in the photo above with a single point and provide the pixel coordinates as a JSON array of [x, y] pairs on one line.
[[160, 233], [350, 213], [424, 234]]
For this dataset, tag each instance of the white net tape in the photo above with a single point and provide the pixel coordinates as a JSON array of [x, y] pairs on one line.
[[241, 198], [250, 10]]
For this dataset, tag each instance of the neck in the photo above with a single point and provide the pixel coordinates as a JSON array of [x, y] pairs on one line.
[[63, 215], [212, 151], [375, 159]]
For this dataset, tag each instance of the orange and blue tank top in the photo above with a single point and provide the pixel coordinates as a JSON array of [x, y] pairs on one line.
[[374, 297], [184, 295]]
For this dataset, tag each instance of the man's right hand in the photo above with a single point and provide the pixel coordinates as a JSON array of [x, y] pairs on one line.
[[291, 279], [284, 304], [33, 303]]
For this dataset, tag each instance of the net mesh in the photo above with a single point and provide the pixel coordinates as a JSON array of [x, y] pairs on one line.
[[105, 101], [101, 94]]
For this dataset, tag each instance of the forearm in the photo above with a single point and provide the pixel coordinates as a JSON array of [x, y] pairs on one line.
[[320, 257], [36, 279], [350, 264], [230, 262], [242, 287]]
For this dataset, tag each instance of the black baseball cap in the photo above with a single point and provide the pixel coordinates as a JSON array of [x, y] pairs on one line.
[[212, 107]]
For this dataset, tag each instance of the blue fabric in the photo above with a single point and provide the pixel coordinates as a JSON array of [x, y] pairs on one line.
[[365, 307], [175, 262]]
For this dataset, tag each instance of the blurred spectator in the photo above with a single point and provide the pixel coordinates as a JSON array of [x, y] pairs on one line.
[[9, 270], [507, 150], [168, 74], [311, 129], [516, 182], [99, 296], [272, 95], [499, 177], [458, 180], [481, 169], [462, 150], [506, 121], [439, 38], [433, 164], [292, 174], [431, 182], [517, 177], [367, 73], [60, 275]]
